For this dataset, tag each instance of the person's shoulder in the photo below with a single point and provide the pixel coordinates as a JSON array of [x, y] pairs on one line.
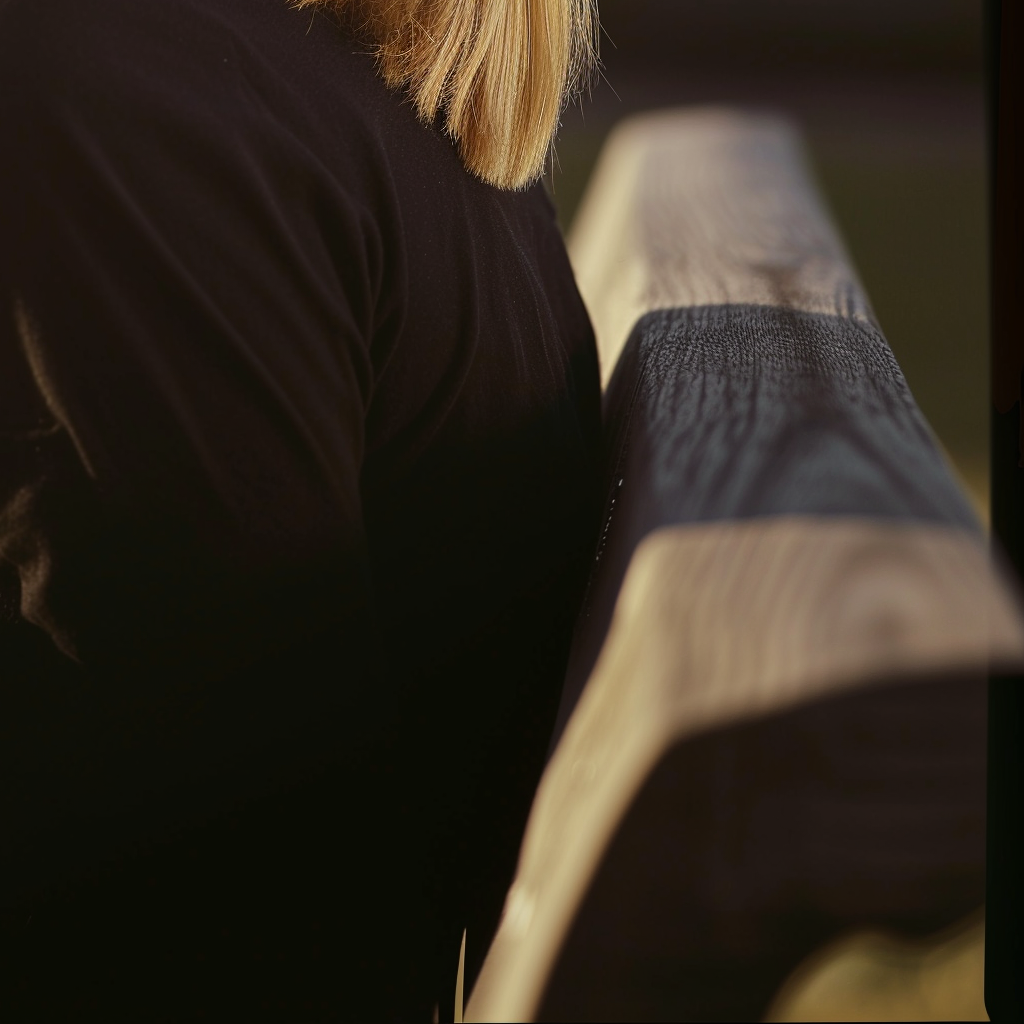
[[63, 34], [64, 60], [179, 80], [68, 51]]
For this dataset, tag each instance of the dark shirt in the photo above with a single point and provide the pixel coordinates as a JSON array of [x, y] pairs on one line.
[[298, 437]]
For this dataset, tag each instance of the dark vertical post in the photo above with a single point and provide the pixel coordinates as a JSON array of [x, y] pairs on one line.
[[1004, 934]]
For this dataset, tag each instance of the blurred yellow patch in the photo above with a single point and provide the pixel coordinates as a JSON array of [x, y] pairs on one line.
[[877, 977]]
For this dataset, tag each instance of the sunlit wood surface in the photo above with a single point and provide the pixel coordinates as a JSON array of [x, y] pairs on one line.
[[781, 528], [705, 207]]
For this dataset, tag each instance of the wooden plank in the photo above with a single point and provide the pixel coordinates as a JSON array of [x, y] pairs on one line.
[[703, 207], [780, 528], [722, 622]]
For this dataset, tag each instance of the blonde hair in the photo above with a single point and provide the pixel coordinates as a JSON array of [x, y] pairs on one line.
[[499, 71]]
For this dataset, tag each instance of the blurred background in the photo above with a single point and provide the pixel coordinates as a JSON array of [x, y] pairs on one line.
[[889, 95]]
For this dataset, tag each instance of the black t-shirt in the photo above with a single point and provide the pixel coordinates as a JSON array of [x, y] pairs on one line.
[[298, 443]]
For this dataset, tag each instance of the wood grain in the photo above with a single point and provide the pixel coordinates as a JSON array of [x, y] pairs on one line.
[[701, 207], [714, 624], [739, 412]]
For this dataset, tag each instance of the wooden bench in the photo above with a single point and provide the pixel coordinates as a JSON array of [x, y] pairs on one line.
[[773, 723]]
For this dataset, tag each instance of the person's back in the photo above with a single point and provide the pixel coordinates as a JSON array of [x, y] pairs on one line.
[[299, 423]]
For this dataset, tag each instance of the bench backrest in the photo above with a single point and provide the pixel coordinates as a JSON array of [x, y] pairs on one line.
[[780, 523]]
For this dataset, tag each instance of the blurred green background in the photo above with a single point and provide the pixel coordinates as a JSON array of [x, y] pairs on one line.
[[889, 95]]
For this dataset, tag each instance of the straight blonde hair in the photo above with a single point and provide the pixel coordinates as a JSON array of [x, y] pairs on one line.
[[498, 71]]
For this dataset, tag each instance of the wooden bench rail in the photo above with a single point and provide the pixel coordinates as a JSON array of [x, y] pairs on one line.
[[782, 535], [705, 207]]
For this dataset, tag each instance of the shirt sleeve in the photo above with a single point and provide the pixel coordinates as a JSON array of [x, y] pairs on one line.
[[185, 312]]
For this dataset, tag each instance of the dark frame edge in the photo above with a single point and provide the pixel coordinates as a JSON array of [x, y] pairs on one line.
[[1004, 904]]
